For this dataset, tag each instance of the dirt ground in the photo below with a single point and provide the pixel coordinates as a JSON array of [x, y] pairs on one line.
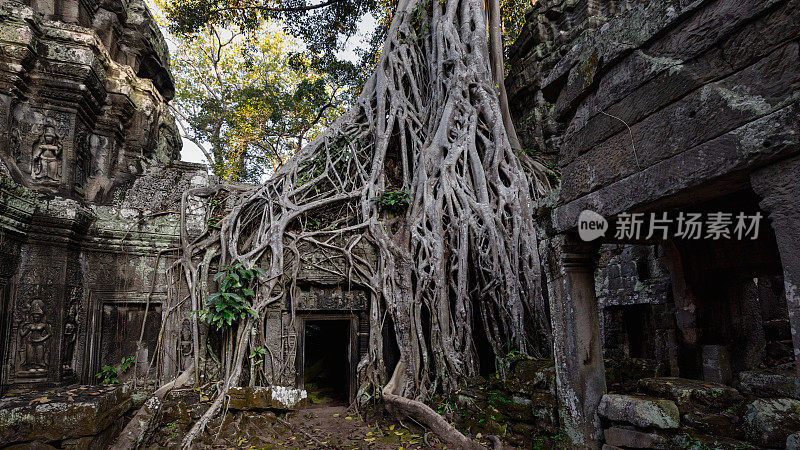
[[325, 424]]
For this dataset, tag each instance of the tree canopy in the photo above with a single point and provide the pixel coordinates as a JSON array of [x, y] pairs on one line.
[[251, 97], [258, 78]]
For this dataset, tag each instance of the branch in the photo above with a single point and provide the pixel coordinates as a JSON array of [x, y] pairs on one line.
[[273, 9]]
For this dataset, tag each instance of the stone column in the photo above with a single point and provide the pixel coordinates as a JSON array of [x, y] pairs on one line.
[[577, 339], [779, 187], [685, 312]]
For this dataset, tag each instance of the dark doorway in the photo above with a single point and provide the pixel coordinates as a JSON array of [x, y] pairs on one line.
[[326, 365], [120, 329]]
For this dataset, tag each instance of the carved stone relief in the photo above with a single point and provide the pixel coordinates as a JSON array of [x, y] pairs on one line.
[[186, 347], [46, 155], [316, 298], [83, 156], [34, 335], [70, 334]]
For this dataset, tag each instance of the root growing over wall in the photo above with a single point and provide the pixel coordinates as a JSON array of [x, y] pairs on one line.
[[461, 257]]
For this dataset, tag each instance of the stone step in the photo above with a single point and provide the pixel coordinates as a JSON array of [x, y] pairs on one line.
[[685, 392], [642, 411]]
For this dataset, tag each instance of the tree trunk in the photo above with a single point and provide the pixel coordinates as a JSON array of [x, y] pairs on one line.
[[462, 257]]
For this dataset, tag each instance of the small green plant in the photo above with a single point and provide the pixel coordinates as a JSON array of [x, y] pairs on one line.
[[257, 355], [394, 201], [214, 222], [313, 224], [694, 443], [233, 300], [172, 430], [110, 374], [514, 355], [553, 172]]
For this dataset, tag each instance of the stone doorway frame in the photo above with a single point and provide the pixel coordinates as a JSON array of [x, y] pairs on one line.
[[353, 354], [98, 299]]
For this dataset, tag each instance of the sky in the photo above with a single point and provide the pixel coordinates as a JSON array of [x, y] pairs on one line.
[[191, 152]]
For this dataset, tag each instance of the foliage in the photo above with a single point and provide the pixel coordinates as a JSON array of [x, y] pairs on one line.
[[513, 18], [553, 172], [258, 354], [250, 97], [394, 201], [232, 302], [323, 26], [110, 374]]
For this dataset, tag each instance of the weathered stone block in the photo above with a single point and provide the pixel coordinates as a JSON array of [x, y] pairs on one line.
[[639, 411], [265, 397], [622, 369], [539, 373], [716, 364], [684, 391], [52, 416], [714, 424], [545, 410], [36, 445], [692, 440], [629, 437], [83, 443], [770, 383], [793, 441], [769, 422]]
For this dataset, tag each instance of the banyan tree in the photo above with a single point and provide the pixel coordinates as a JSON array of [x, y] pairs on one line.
[[426, 169]]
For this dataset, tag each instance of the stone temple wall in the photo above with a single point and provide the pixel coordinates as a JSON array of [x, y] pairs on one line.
[[90, 190], [679, 107]]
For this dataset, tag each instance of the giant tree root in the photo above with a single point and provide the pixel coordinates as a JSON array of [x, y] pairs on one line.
[[425, 415], [421, 170], [135, 433]]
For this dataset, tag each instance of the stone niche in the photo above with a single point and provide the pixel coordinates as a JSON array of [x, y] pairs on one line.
[[118, 320]]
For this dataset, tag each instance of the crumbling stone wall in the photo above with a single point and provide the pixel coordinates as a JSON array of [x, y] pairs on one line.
[[83, 96], [90, 193], [668, 106]]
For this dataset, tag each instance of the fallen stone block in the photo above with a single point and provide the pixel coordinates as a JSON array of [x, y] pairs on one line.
[[265, 397], [545, 411], [793, 441], [626, 369], [62, 414], [36, 445], [714, 423], [769, 422], [684, 392], [629, 437], [770, 383], [539, 373], [640, 411], [697, 441]]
